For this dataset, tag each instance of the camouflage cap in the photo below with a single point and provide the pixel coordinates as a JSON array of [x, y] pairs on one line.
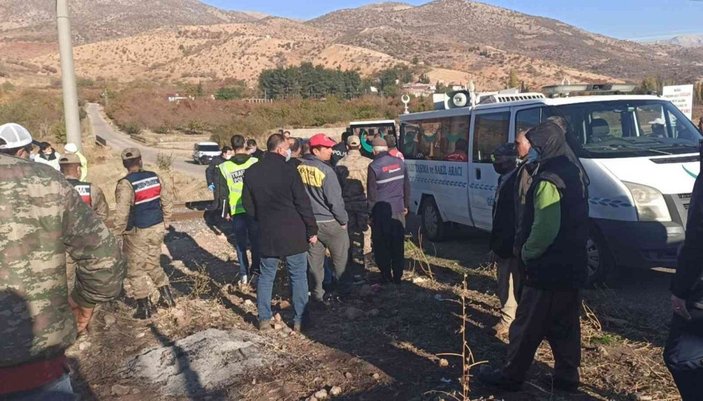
[[131, 153], [70, 158]]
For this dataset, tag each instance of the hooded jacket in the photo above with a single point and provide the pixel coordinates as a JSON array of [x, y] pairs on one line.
[[556, 214], [322, 186]]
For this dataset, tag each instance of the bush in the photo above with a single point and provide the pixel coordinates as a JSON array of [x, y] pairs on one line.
[[144, 106]]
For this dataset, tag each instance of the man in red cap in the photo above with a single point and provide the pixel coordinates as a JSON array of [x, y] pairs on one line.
[[322, 186]]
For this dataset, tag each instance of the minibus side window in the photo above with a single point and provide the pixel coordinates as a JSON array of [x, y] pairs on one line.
[[436, 139], [490, 131], [526, 119]]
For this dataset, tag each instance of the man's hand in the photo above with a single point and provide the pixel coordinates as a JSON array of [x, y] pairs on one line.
[[344, 226], [678, 305], [228, 217], [313, 240], [405, 211], [81, 314]]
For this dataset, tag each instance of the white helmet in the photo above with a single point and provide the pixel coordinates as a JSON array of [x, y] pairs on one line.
[[14, 136], [70, 148]]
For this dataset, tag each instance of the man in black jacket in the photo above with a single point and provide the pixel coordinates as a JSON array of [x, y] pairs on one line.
[[554, 254], [683, 352], [340, 150], [508, 268], [213, 214], [275, 197]]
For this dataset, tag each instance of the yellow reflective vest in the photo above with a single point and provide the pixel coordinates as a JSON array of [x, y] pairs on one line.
[[234, 174]]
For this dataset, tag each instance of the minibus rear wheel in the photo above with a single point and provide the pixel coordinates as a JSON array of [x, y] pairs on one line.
[[432, 224]]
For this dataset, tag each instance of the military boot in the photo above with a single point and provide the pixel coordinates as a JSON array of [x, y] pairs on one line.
[[166, 299], [143, 309]]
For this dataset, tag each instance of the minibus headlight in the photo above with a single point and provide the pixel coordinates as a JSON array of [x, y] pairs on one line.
[[649, 202]]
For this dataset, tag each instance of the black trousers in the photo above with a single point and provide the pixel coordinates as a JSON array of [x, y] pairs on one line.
[[546, 314], [682, 336], [389, 248]]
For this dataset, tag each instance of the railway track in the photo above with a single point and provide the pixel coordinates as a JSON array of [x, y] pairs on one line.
[[183, 211]]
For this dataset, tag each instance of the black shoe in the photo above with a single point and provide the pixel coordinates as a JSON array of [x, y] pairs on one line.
[[494, 377], [143, 309], [319, 304], [566, 386], [166, 299]]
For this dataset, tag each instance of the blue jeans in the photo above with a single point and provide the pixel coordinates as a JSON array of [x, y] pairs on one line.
[[297, 270], [58, 390], [246, 231]]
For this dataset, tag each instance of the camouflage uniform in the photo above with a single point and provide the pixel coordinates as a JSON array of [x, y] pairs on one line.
[[43, 219], [142, 246], [352, 170]]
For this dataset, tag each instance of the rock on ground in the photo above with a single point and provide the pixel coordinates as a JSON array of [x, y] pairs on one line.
[[202, 362]]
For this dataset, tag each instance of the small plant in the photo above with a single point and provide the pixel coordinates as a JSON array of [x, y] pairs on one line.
[[164, 161]]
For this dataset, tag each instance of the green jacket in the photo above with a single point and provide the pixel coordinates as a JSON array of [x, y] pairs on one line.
[[43, 219], [547, 221]]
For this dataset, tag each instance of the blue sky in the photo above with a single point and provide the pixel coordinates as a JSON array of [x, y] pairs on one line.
[[623, 19]]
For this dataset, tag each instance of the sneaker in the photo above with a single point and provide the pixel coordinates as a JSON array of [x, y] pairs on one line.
[[243, 281], [494, 377], [298, 327], [265, 325]]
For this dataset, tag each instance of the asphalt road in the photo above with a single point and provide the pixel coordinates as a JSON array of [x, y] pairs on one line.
[[119, 141]]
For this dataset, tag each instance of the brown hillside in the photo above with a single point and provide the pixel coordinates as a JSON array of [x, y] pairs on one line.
[[95, 20], [454, 41], [467, 27]]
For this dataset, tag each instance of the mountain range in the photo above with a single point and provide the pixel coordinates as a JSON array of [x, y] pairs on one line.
[[451, 40]]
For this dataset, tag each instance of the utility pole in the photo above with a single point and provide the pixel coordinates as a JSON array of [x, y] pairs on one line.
[[68, 75]]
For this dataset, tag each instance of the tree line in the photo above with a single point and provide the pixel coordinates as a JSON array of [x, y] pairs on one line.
[[313, 82]]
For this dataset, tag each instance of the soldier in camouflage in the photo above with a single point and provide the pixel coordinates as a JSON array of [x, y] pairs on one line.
[[43, 219], [142, 212], [352, 170], [90, 193]]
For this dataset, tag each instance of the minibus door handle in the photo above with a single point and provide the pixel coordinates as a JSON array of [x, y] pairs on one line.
[[478, 173]]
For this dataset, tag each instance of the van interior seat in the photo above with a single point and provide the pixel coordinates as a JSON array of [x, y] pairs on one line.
[[599, 130]]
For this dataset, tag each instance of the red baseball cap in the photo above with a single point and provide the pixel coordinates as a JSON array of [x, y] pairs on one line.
[[321, 140]]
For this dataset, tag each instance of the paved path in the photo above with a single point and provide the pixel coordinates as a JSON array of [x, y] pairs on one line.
[[119, 141]]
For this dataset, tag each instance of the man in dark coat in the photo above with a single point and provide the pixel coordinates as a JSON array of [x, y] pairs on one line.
[[275, 197], [554, 255], [683, 352], [508, 269]]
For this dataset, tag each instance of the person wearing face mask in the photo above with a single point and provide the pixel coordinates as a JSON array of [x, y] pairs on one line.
[[526, 156], [325, 192], [508, 270], [275, 197], [231, 182], [47, 155], [555, 221], [214, 212]]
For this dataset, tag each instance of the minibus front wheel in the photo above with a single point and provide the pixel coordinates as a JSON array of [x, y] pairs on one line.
[[600, 266]]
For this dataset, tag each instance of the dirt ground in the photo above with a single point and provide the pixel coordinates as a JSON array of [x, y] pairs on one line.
[[383, 345]]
